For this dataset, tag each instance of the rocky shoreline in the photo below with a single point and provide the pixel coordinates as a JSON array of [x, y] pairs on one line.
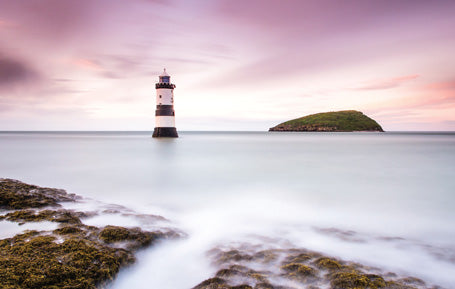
[[76, 255], [72, 256], [312, 128], [250, 266]]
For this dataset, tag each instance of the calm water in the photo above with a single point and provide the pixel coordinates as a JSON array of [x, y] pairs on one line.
[[224, 187]]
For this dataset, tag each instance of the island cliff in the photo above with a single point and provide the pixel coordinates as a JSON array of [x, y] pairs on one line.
[[346, 120]]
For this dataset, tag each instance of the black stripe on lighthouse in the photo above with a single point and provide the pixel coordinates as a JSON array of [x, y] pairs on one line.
[[165, 132], [164, 110]]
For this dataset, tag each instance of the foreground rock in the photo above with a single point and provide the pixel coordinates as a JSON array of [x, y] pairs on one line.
[[247, 267], [336, 121], [17, 195], [74, 255]]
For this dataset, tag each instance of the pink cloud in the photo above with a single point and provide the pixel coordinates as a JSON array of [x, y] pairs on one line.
[[87, 64], [4, 24], [387, 83], [445, 85]]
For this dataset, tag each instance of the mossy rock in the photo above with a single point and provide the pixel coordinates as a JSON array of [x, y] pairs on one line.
[[60, 216], [398, 285], [257, 276], [212, 283], [67, 230], [236, 271], [412, 281], [233, 255], [356, 280], [227, 273], [136, 237], [17, 195], [328, 264], [264, 286], [32, 260], [312, 270], [74, 256], [299, 272], [299, 258], [265, 256]]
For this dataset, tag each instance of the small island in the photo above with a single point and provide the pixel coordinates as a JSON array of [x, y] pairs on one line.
[[335, 121]]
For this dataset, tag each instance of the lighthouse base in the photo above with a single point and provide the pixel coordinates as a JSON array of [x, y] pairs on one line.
[[165, 132]]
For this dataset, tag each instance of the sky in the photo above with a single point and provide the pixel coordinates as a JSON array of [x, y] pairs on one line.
[[237, 65]]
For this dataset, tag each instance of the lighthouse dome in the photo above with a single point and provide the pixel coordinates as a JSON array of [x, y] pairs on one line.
[[165, 77]]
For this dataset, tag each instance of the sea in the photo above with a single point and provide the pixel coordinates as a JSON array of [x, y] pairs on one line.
[[385, 200]]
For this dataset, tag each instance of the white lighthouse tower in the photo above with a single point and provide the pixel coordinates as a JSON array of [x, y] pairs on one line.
[[165, 114]]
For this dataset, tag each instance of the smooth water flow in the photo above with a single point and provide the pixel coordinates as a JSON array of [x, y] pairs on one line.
[[383, 199]]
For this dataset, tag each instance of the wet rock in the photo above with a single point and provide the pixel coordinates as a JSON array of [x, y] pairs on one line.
[[412, 281], [68, 230], [264, 286], [299, 258], [223, 273], [233, 255], [299, 268], [397, 285], [60, 216], [134, 236], [73, 256], [356, 280], [18, 195], [299, 272], [265, 256], [36, 260], [212, 283], [327, 263]]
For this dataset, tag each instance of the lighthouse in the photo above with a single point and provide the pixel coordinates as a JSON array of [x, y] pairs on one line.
[[165, 114]]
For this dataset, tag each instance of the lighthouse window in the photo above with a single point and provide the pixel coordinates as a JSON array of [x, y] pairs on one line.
[[160, 95]]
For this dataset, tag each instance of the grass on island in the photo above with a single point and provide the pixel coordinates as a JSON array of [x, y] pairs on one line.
[[347, 120]]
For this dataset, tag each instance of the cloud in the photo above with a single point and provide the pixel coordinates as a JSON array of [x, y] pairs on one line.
[[15, 72], [444, 85], [318, 16], [5, 24], [387, 83], [49, 17], [111, 66], [87, 64]]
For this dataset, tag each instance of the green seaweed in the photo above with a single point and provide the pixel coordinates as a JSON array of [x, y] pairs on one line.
[[311, 269], [17, 195], [264, 285], [241, 271], [212, 283], [32, 260], [67, 230], [60, 216], [299, 258], [356, 280], [233, 255], [327, 263], [136, 237], [299, 272], [265, 256]]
